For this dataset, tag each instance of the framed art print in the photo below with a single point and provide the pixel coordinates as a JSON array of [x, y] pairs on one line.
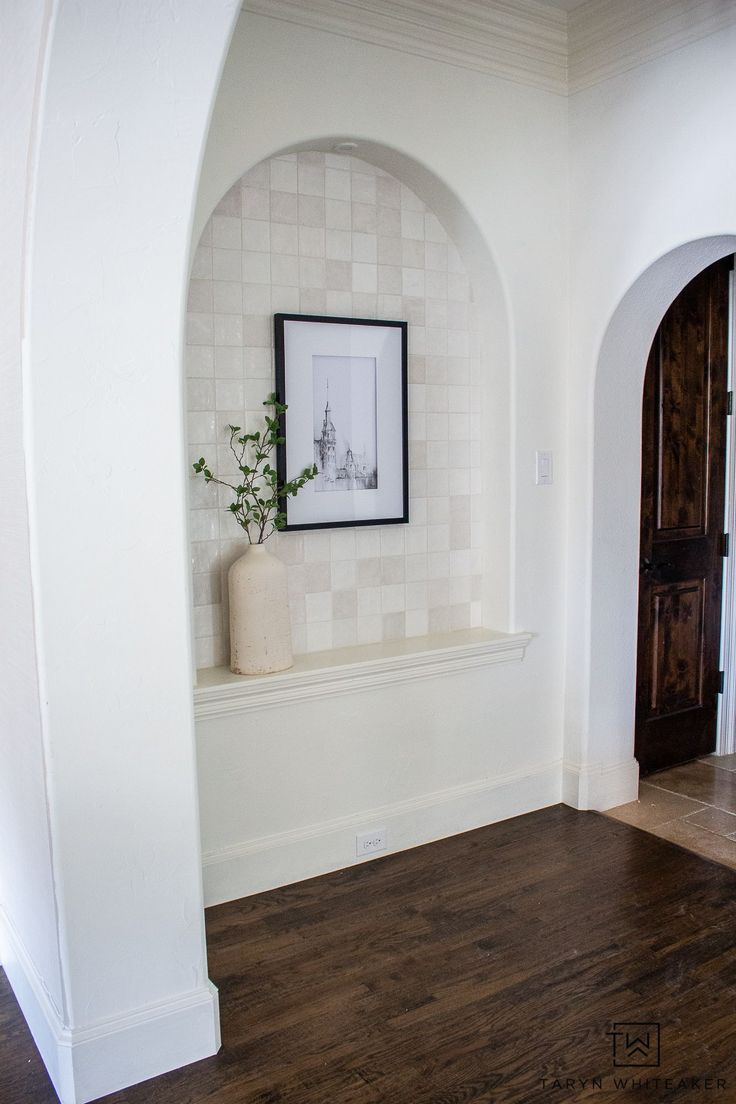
[[344, 381]]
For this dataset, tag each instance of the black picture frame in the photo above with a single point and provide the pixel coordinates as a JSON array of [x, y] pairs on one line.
[[370, 484]]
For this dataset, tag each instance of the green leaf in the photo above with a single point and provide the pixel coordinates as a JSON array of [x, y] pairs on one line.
[[258, 502]]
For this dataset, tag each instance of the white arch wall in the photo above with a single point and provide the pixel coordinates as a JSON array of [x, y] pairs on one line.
[[490, 159], [615, 551], [114, 983], [27, 903], [652, 170]]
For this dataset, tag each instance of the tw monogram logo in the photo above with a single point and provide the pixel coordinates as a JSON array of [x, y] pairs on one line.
[[635, 1044]]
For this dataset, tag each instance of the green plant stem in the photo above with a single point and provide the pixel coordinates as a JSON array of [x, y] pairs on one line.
[[258, 494]]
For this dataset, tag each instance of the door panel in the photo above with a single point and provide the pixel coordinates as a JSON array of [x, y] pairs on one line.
[[678, 631], [683, 487], [684, 391]]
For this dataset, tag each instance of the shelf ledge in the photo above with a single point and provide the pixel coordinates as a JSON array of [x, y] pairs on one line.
[[343, 671]]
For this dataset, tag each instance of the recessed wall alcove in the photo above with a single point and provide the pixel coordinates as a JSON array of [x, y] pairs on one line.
[[324, 233], [392, 626]]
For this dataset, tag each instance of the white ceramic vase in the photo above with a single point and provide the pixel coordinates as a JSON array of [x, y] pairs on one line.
[[260, 631]]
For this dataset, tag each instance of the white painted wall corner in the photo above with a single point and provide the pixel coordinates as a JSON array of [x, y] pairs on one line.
[[598, 786], [87, 1063]]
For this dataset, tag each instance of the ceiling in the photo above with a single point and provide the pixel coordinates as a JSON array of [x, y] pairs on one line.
[[566, 5], [508, 39]]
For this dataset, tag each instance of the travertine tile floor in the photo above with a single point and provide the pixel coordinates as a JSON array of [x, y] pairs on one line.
[[693, 805]]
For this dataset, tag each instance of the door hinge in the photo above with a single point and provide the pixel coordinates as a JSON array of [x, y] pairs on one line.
[[729, 403], [721, 681], [725, 544]]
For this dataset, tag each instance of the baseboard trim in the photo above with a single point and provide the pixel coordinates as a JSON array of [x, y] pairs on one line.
[[111, 1056], [105, 1057], [598, 786], [256, 865], [43, 1018]]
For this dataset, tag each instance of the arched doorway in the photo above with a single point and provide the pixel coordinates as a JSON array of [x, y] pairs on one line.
[[616, 497], [685, 420]]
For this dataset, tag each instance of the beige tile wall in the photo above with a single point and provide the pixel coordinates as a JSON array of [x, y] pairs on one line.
[[319, 233]]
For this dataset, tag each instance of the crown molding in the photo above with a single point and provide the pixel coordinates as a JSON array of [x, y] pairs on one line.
[[610, 37], [524, 41]]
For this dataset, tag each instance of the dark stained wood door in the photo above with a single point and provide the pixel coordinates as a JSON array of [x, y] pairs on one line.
[[682, 522]]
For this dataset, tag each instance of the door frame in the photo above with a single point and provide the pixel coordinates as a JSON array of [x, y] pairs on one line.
[[666, 739], [726, 723], [603, 531]]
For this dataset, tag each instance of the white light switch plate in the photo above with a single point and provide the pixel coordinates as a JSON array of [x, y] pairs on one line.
[[544, 469]]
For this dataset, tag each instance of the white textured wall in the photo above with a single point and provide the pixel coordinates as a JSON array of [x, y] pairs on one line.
[[653, 167], [116, 787], [27, 905], [322, 233], [284, 790], [124, 112]]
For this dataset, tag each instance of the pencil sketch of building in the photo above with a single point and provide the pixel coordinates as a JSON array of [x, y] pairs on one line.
[[344, 443]]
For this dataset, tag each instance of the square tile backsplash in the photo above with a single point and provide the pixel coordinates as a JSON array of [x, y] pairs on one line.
[[317, 233]]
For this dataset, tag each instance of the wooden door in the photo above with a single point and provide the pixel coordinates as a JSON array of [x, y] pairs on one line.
[[682, 521]]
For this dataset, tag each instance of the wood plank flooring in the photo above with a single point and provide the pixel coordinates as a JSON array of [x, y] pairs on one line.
[[488, 967]]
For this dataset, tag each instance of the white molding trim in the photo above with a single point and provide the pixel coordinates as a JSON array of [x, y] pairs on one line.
[[248, 867], [598, 786], [726, 743], [610, 37], [40, 1012], [519, 40], [348, 670], [89, 1062], [525, 41]]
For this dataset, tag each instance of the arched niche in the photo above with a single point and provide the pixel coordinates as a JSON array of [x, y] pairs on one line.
[[616, 503], [492, 317]]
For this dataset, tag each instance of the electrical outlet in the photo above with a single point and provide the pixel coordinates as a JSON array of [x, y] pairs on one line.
[[367, 842]]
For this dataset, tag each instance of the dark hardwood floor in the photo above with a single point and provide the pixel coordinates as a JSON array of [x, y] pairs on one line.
[[486, 967]]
